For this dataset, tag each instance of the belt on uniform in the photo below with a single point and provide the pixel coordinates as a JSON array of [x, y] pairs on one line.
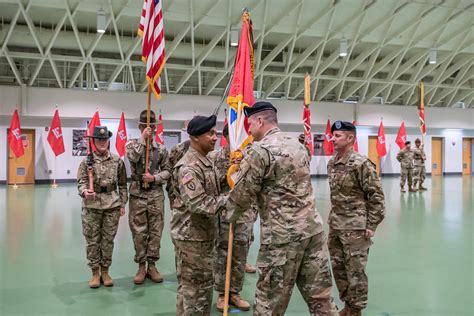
[[105, 188], [141, 184]]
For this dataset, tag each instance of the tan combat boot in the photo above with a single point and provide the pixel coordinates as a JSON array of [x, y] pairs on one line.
[[105, 277], [95, 280], [220, 303], [422, 188], [141, 273], [239, 302], [411, 189], [402, 189], [153, 274], [250, 268]]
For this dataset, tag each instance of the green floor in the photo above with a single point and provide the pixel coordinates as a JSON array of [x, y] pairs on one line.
[[421, 262]]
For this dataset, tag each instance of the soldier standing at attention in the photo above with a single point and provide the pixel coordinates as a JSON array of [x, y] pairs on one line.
[[242, 233], [176, 153], [405, 157], [147, 200], [275, 174], [419, 162], [357, 207], [194, 218], [102, 207]]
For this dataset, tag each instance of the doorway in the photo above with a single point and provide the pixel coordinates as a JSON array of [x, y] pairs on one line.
[[22, 170], [466, 156], [437, 156], [373, 156]]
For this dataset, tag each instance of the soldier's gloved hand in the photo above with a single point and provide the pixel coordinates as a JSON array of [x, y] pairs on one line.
[[122, 211], [147, 177], [147, 133], [236, 157], [89, 195], [369, 233]]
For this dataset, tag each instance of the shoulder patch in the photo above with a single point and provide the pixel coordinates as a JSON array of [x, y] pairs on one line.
[[186, 178]]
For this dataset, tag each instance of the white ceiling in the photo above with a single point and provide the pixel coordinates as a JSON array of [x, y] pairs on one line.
[[53, 43]]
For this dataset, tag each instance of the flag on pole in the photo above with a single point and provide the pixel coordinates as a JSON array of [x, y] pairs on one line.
[[153, 46], [159, 131], [328, 144], [308, 140], [381, 147], [55, 135], [223, 141], [422, 109], [241, 88], [356, 143], [95, 121], [121, 138], [15, 140], [401, 136]]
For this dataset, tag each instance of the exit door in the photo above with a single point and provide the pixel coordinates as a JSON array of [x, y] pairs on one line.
[[373, 156], [466, 156], [22, 170], [436, 156]]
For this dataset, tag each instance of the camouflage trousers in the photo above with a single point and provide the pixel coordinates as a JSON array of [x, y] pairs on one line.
[[419, 175], [146, 220], [194, 260], [240, 249], [406, 174], [305, 263], [99, 227], [349, 251]]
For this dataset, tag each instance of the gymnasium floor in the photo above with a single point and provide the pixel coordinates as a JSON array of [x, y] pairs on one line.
[[421, 262]]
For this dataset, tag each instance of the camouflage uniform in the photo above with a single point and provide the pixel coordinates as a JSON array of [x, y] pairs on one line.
[[176, 153], [100, 217], [405, 157], [193, 224], [357, 204], [242, 232], [419, 164], [146, 217], [275, 173]]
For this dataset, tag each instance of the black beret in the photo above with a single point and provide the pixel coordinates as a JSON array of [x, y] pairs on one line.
[[101, 132], [407, 142], [201, 124], [259, 107], [342, 126]]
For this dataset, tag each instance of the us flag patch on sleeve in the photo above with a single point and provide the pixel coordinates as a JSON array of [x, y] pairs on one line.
[[187, 177]]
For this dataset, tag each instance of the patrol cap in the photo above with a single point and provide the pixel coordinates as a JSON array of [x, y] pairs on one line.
[[417, 140], [143, 118], [342, 126], [101, 132], [201, 124], [259, 106], [407, 142]]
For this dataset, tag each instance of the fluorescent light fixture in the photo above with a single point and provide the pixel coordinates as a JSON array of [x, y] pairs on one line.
[[432, 56], [101, 20], [343, 47], [234, 36]]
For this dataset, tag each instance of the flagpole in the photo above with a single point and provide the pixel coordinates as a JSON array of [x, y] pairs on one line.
[[147, 154], [15, 186], [54, 185]]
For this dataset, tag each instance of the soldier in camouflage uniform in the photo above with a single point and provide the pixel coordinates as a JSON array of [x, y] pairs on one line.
[[357, 207], [103, 206], [176, 153], [194, 218], [419, 164], [147, 201], [275, 174], [242, 233], [405, 157]]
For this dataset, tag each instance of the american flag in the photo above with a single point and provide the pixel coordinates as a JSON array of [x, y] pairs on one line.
[[153, 46], [422, 109]]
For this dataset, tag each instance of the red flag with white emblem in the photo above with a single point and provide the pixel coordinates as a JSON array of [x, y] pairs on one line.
[[14, 136], [55, 135], [328, 144], [121, 138], [223, 141], [381, 147], [159, 131], [95, 121], [401, 136]]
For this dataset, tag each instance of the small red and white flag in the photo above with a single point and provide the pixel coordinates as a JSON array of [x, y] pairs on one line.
[[15, 140], [401, 136], [422, 109], [159, 131], [223, 141], [121, 138], [328, 144], [55, 135], [308, 139], [381, 146], [95, 121]]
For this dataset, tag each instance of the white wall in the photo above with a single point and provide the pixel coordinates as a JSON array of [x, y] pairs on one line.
[[36, 106]]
